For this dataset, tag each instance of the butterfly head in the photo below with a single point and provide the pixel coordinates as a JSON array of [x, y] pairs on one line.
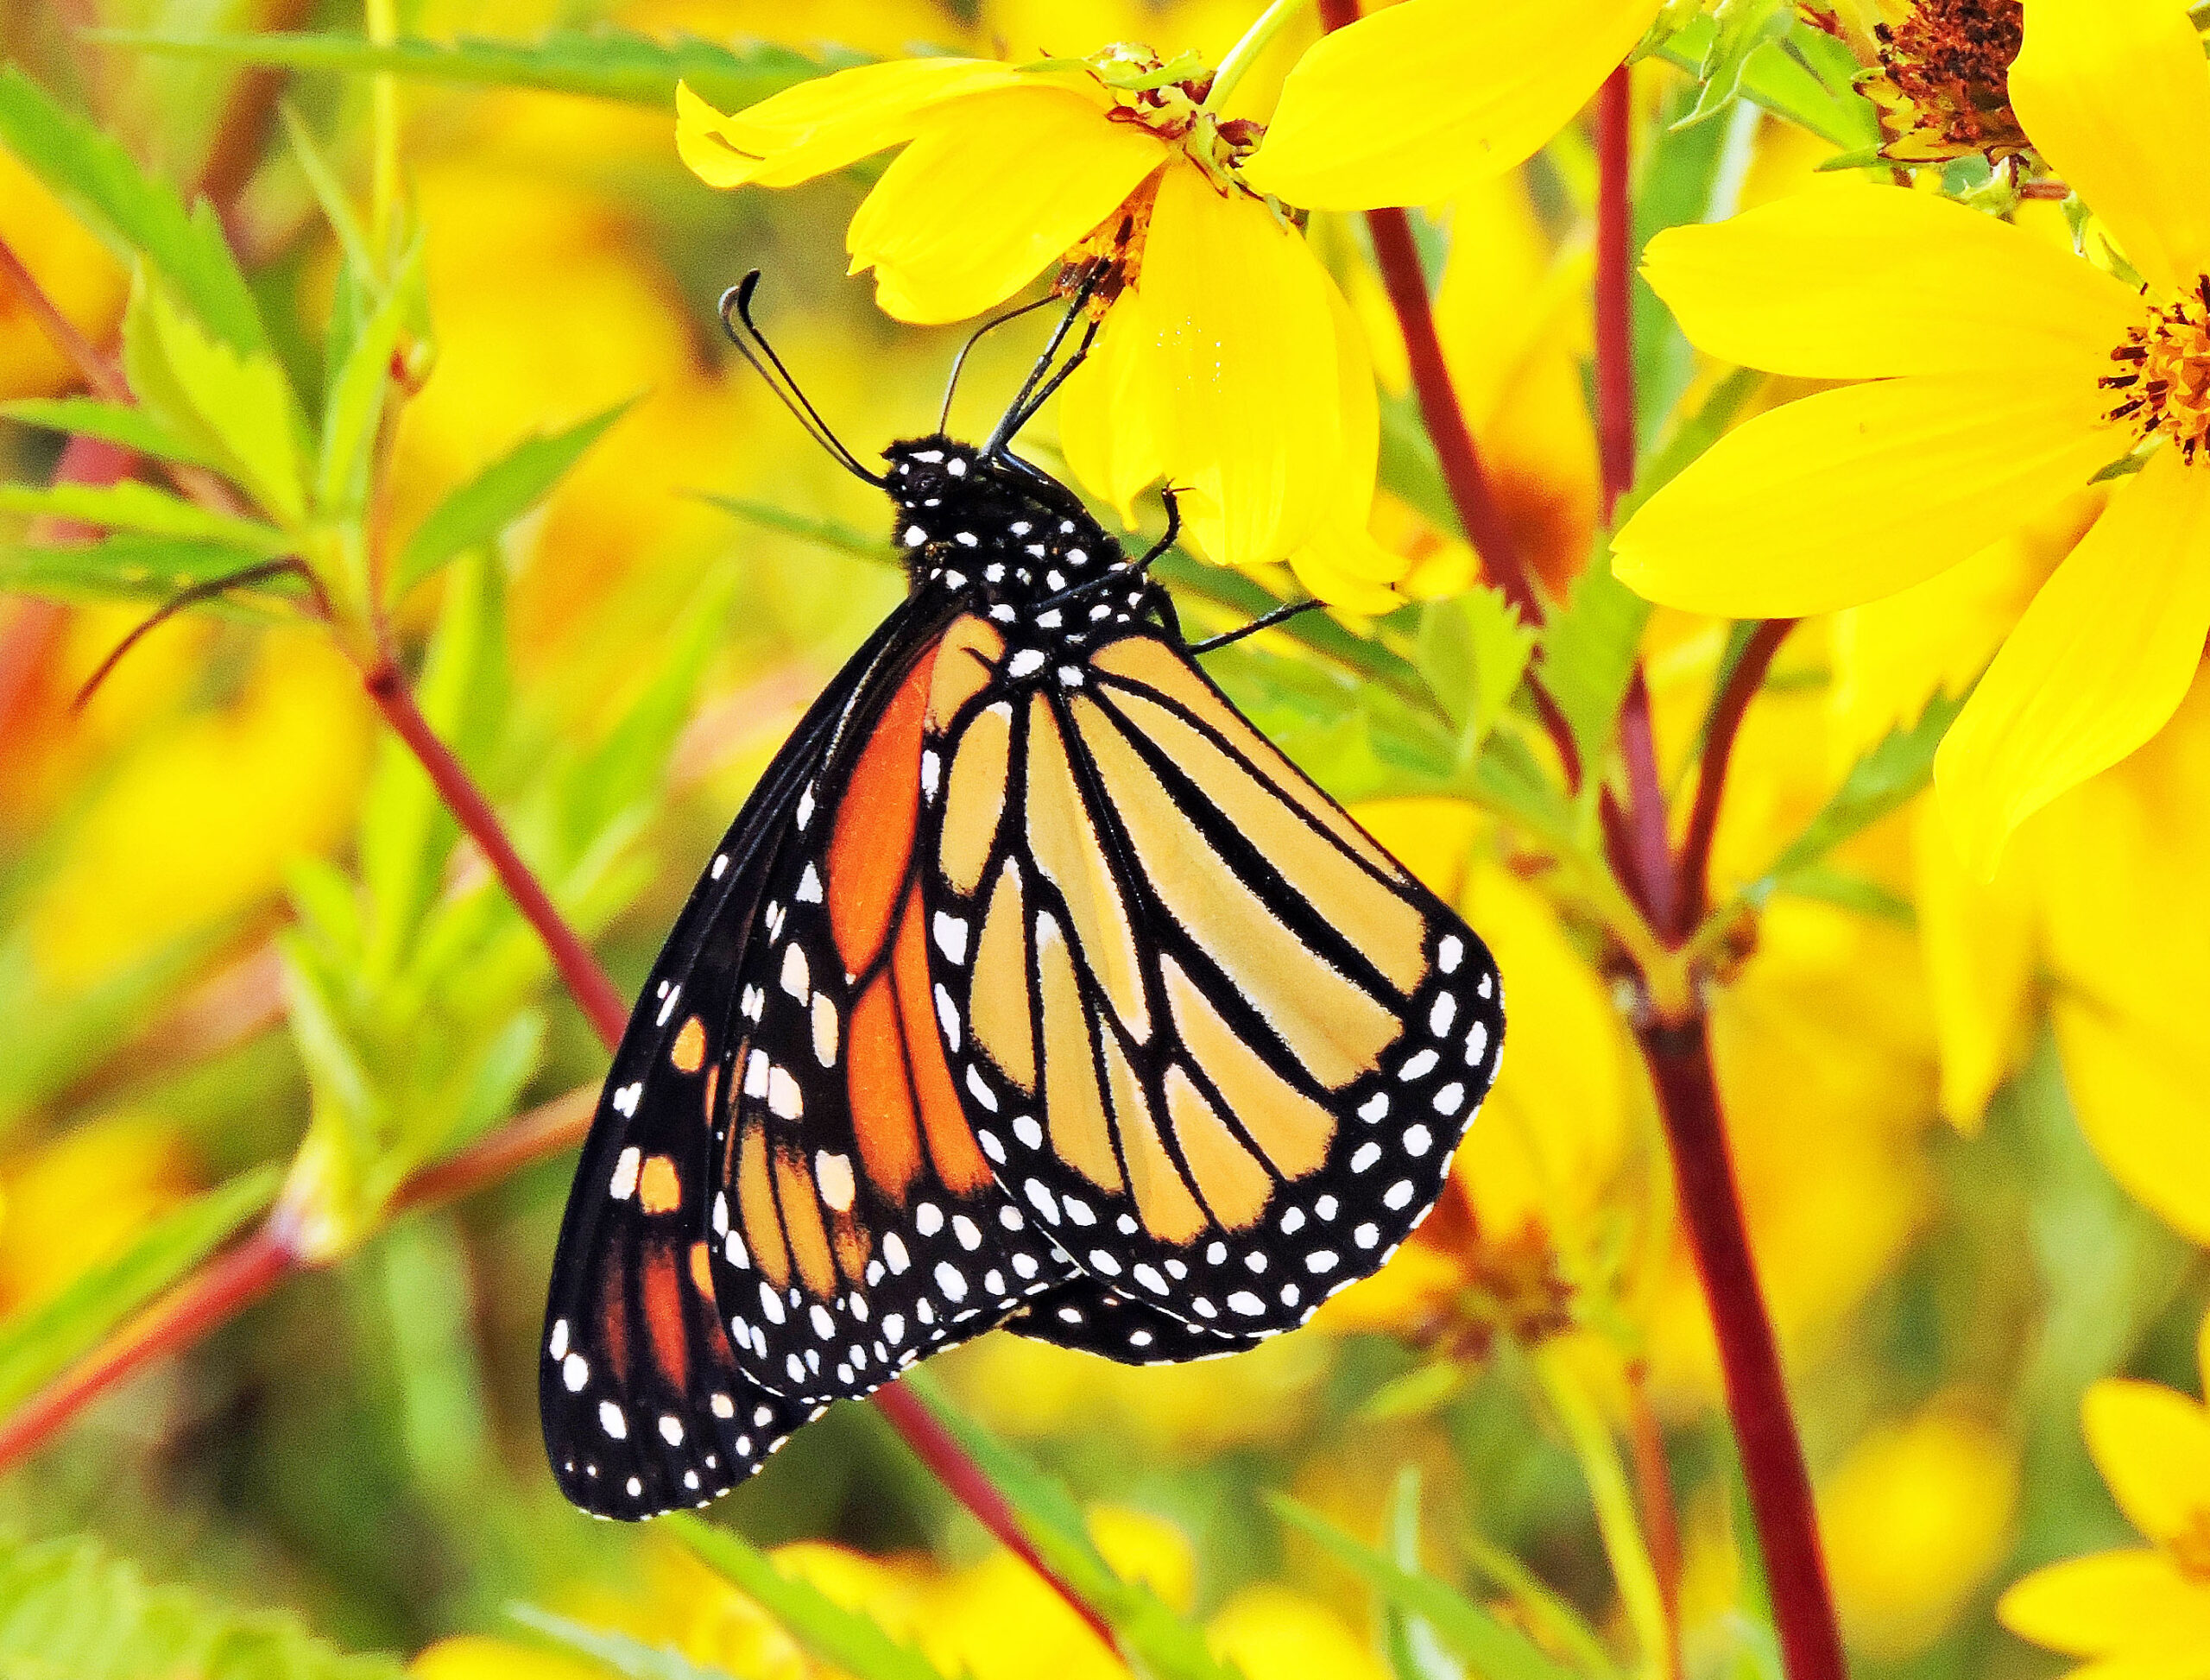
[[988, 523]]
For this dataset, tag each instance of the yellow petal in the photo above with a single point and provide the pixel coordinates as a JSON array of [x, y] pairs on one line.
[[2153, 1446], [2108, 1602], [1977, 940], [820, 125], [1410, 104], [1854, 494], [2101, 659], [993, 189], [1237, 319], [1111, 427], [2116, 95], [1342, 563], [1868, 282]]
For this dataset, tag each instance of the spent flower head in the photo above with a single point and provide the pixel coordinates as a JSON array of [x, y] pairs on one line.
[[2000, 373], [1943, 84]]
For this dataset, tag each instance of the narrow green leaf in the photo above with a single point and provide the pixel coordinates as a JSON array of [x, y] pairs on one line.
[[69, 1610], [355, 403], [133, 568], [479, 509], [605, 63], [843, 1639], [1885, 779], [1414, 1652], [1546, 1611], [133, 214], [133, 507], [38, 1344], [1155, 1638], [828, 533], [1850, 892], [1589, 652], [1686, 442], [1496, 1649], [114, 422], [337, 210], [631, 1659]]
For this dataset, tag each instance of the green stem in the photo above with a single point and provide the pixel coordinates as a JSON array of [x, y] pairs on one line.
[[382, 22], [1605, 1471], [1242, 55]]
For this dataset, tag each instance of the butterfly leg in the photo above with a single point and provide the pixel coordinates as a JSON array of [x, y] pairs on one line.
[[1264, 621]]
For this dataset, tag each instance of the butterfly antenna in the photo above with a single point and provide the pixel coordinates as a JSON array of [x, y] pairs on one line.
[[207, 589], [1043, 379], [752, 344], [959, 361]]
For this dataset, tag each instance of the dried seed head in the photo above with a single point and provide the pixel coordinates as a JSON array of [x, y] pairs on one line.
[[1943, 87]]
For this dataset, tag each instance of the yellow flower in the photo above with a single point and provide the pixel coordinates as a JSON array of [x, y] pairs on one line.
[[1416, 102], [1915, 1518], [1227, 365], [2000, 375], [2144, 1614]]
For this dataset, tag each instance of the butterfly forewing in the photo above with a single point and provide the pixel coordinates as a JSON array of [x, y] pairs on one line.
[[1228, 1045], [856, 1223]]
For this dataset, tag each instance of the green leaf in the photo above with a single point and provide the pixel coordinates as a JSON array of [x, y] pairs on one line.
[[496, 498], [1885, 779], [131, 568], [1740, 28], [240, 401], [1154, 1637], [69, 1610], [1497, 1650], [38, 1342], [1589, 652], [1684, 445], [1472, 651], [630, 1658], [133, 507], [114, 422], [1809, 79], [605, 64], [133, 214], [843, 1639]]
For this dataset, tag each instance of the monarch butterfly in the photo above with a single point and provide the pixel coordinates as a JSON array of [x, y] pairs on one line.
[[1031, 987]]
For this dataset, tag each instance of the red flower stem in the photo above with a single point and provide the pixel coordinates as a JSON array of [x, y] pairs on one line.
[[579, 970], [932, 1444], [1615, 441], [217, 1294], [1679, 1058], [1743, 683], [1642, 846]]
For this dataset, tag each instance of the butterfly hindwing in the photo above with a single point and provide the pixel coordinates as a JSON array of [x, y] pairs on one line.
[[1229, 1043]]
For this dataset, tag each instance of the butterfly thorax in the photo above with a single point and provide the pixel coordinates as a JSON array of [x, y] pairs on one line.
[[1012, 544]]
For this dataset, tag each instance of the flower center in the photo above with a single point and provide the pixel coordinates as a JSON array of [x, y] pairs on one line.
[[2164, 388], [1167, 96], [1943, 86]]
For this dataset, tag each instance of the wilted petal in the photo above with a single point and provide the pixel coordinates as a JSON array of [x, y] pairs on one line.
[[2115, 94], [993, 189], [1865, 282], [1851, 494], [820, 125], [2101, 659], [1237, 319], [2112, 1602], [1410, 104]]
